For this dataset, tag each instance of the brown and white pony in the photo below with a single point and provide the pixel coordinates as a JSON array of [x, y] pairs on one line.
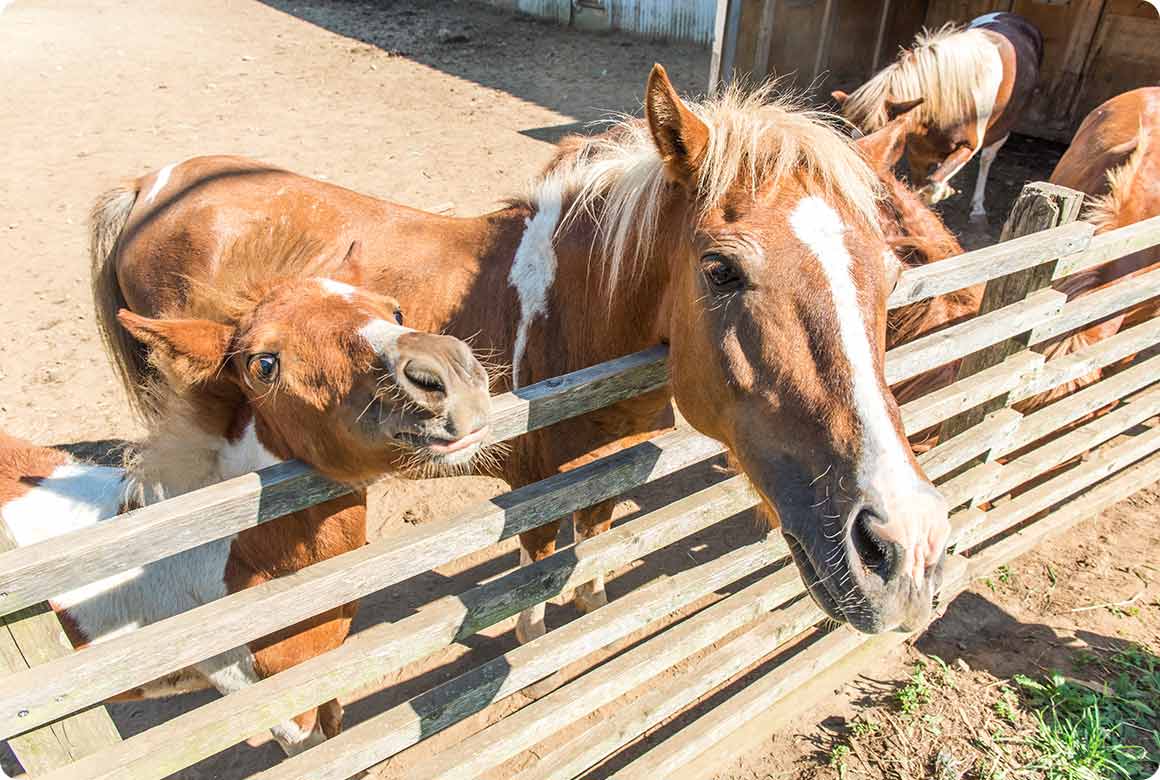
[[1115, 159], [974, 83], [300, 367], [739, 231]]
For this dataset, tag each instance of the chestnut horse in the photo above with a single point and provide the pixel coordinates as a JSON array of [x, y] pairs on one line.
[[300, 367], [1115, 159], [974, 83], [743, 233]]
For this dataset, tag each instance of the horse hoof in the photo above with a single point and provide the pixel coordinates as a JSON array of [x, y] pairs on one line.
[[978, 218]]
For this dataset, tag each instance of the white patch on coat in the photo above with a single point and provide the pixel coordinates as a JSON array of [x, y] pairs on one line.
[[159, 182], [985, 19], [985, 95], [341, 289], [885, 465], [244, 455], [534, 268]]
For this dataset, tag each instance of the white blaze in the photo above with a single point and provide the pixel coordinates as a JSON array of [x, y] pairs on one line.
[[821, 229], [534, 268]]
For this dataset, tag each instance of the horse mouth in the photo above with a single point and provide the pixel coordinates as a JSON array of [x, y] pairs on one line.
[[815, 585], [445, 451]]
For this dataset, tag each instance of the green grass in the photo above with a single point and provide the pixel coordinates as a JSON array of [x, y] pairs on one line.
[[915, 693], [1091, 732]]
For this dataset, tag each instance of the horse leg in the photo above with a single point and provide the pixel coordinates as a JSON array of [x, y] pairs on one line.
[[588, 523], [986, 157], [535, 545]]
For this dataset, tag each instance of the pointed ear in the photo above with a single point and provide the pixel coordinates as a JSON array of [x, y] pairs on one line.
[[350, 270], [884, 147], [839, 97], [896, 108], [194, 350], [680, 137]]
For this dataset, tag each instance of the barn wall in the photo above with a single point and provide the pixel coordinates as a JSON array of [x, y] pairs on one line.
[[678, 20]]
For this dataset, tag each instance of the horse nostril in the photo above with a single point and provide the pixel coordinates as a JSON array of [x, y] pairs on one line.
[[426, 378], [872, 550]]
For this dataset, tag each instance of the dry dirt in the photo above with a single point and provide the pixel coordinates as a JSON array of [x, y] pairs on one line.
[[424, 102]]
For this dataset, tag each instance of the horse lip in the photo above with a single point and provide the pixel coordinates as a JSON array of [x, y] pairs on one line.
[[448, 446]]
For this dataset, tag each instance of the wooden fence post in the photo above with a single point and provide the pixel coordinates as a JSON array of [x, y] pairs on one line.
[[1040, 206], [31, 637]]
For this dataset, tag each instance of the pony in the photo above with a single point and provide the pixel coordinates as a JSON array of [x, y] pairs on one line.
[[741, 231], [298, 366], [974, 83], [1114, 159]]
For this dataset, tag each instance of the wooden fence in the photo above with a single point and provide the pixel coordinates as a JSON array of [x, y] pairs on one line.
[[50, 697]]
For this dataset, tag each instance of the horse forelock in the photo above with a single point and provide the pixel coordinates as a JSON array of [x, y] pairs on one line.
[[949, 68], [617, 181]]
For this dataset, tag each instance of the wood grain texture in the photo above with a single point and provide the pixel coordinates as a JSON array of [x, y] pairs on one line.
[[932, 408], [386, 734], [35, 636], [37, 572], [981, 265], [1109, 246], [100, 671], [1040, 207], [1099, 304], [966, 338]]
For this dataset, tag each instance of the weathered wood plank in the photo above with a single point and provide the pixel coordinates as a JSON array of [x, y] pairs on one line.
[[1102, 464], [520, 730], [1099, 304], [967, 446], [34, 636], [1072, 444], [366, 658], [981, 265], [922, 354], [945, 402], [37, 572], [102, 670], [1040, 206], [1083, 361], [1109, 246], [384, 735], [1075, 406], [665, 699], [764, 39]]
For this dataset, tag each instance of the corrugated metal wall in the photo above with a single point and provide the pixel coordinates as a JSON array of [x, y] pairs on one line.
[[684, 20]]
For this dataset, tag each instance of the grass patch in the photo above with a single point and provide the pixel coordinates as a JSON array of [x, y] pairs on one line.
[[1087, 732]]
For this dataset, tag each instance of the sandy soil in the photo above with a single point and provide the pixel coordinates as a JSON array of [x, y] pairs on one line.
[[425, 102]]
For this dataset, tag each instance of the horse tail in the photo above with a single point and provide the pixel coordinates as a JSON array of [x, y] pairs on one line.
[[130, 360]]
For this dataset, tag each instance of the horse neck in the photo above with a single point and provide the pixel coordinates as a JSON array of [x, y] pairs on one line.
[[188, 451]]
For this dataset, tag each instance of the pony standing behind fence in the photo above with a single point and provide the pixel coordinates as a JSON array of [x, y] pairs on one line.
[[1115, 159], [304, 367], [740, 231], [973, 84]]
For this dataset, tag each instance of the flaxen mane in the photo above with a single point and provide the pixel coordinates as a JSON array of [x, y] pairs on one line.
[[617, 178], [946, 68]]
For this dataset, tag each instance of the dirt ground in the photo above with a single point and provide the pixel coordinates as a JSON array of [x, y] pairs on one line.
[[425, 102]]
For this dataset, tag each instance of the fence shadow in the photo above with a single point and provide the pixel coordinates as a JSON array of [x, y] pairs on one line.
[[576, 74]]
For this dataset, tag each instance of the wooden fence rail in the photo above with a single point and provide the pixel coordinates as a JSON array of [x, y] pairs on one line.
[[987, 449]]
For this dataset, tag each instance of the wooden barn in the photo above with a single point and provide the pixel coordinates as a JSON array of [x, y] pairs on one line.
[[1093, 49]]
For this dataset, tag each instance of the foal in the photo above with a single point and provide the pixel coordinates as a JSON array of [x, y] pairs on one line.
[[304, 367], [974, 83]]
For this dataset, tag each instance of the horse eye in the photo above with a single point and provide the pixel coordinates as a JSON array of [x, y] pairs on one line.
[[264, 367], [399, 316], [721, 273]]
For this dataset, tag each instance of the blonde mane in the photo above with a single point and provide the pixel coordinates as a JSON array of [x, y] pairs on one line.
[[1103, 211], [947, 68], [617, 179]]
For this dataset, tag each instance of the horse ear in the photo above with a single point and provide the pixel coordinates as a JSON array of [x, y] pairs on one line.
[[680, 137], [884, 147], [350, 270], [194, 350], [896, 108], [839, 97]]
